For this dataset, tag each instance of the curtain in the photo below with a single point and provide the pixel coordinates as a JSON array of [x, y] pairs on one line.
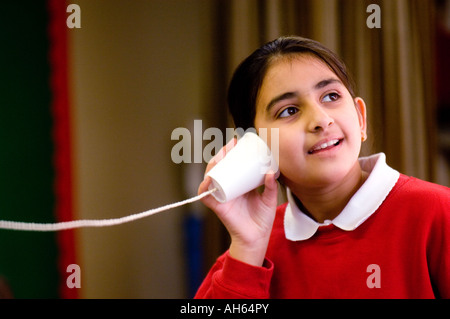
[[35, 165], [62, 139], [27, 260], [392, 65]]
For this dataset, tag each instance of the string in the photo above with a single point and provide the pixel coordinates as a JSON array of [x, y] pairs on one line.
[[4, 224]]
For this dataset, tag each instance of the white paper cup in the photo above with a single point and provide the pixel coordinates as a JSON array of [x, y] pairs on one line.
[[242, 169]]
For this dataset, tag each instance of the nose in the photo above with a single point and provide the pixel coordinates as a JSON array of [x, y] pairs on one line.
[[319, 119]]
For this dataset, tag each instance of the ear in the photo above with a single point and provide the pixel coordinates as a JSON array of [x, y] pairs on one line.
[[360, 106]]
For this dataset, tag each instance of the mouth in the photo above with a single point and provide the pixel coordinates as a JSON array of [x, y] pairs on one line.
[[325, 146]]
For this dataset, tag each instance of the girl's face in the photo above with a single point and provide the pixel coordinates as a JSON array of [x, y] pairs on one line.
[[320, 125]]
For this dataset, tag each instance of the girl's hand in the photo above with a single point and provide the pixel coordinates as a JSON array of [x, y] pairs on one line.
[[248, 218]]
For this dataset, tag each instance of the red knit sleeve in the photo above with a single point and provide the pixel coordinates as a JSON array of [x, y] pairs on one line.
[[232, 279], [439, 242]]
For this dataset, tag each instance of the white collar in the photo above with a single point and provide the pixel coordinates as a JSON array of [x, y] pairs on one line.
[[382, 178]]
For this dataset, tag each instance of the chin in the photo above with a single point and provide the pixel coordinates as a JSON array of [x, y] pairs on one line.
[[317, 178], [320, 172]]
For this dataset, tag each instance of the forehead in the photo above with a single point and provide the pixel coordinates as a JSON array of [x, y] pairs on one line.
[[297, 73], [305, 68]]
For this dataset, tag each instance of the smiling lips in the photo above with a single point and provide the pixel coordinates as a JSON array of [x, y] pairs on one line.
[[323, 146]]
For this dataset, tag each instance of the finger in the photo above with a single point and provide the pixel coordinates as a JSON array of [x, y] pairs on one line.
[[203, 187], [209, 200], [277, 174], [270, 194]]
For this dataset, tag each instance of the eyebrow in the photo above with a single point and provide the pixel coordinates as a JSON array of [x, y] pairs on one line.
[[290, 95], [326, 82], [281, 97]]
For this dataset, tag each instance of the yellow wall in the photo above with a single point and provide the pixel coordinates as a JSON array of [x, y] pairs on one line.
[[139, 70]]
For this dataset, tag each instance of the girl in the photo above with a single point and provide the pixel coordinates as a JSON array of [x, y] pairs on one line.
[[352, 227]]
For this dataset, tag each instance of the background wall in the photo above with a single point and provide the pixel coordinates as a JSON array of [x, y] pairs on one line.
[[139, 70]]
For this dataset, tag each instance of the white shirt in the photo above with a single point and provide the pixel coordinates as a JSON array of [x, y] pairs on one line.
[[381, 180]]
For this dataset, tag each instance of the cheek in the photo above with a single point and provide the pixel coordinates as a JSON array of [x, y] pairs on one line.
[[349, 123], [291, 148]]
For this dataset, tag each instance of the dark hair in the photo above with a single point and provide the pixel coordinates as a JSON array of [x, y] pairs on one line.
[[249, 75]]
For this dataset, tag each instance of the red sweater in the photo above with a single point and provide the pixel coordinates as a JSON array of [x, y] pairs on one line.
[[401, 251]]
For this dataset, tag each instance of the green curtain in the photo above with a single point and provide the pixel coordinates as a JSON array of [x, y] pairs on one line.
[[28, 260]]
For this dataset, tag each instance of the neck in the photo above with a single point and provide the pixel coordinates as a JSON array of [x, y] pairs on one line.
[[328, 202]]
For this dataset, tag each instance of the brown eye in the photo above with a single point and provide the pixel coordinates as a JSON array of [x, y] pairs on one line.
[[289, 111], [331, 97]]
